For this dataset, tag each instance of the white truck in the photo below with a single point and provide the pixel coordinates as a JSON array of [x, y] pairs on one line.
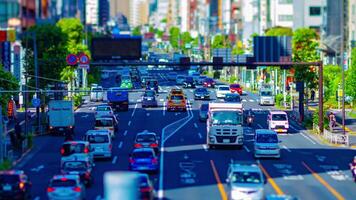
[[224, 124], [266, 96], [60, 116]]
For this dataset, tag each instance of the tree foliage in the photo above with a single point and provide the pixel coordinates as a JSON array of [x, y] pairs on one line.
[[279, 31], [174, 33], [238, 49], [350, 85], [7, 82], [220, 41], [332, 77], [136, 31]]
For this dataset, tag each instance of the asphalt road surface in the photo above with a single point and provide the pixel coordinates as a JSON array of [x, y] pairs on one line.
[[307, 169]]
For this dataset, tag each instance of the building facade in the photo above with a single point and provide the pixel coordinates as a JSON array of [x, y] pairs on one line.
[[309, 13], [352, 24], [119, 6], [139, 12], [9, 9]]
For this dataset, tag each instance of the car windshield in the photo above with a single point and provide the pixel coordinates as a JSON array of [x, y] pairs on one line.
[[226, 118], [235, 86], [104, 123], [98, 138], [246, 177], [232, 98], [9, 178], [146, 138], [73, 148], [142, 154], [176, 97], [102, 108], [267, 138], [266, 93], [149, 94], [279, 117], [152, 83], [75, 165], [63, 183], [201, 90], [176, 92], [204, 107], [224, 88]]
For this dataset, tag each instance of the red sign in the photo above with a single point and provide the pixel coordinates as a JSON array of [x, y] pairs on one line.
[[72, 59], [84, 59], [149, 35], [165, 37], [3, 36]]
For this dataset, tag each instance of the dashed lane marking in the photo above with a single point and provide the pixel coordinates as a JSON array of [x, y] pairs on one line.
[[129, 124], [147, 114], [195, 125], [259, 125], [200, 136], [244, 100], [205, 147], [271, 181], [219, 184], [125, 133], [120, 145], [114, 160], [164, 108], [251, 100], [306, 137], [37, 198], [246, 148], [133, 112], [286, 148]]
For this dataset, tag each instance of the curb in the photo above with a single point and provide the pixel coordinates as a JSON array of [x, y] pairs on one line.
[[14, 163]]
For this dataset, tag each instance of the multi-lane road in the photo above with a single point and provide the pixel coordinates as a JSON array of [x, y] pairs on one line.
[[307, 169]]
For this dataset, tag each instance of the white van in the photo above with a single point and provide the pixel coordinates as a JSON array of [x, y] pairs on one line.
[[100, 143], [266, 144], [97, 93], [105, 123], [278, 121]]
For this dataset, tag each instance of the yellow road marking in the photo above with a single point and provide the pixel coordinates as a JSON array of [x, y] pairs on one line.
[[271, 181], [324, 183], [220, 185]]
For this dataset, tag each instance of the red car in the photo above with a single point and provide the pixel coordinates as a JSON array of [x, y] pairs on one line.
[[209, 82], [236, 88]]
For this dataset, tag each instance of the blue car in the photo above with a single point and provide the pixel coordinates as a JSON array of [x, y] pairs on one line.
[[149, 99], [143, 160], [201, 93]]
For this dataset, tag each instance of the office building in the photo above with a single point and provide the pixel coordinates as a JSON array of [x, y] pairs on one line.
[[139, 12]]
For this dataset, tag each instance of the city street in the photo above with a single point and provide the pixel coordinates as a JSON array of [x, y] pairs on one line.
[[189, 170]]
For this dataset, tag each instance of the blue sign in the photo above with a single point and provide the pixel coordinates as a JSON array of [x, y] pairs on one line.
[[72, 59], [6, 55], [36, 102]]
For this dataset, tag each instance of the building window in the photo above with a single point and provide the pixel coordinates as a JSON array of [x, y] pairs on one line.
[[285, 1], [284, 18], [314, 11]]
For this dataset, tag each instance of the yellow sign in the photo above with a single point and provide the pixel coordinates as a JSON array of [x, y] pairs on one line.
[[11, 35], [339, 92]]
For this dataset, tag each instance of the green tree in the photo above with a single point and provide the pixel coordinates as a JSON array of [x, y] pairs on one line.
[[250, 42], [305, 44], [279, 31], [332, 78], [174, 33], [220, 41], [350, 84], [136, 31], [238, 49], [7, 82]]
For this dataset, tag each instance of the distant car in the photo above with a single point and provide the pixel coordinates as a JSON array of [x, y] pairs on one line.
[[266, 144], [172, 76], [222, 90], [203, 112], [79, 167], [232, 98], [180, 79], [146, 187], [245, 181], [196, 76], [176, 102], [106, 123], [143, 159], [100, 143], [14, 184], [236, 88], [175, 91], [152, 84], [200, 80], [103, 110], [146, 139], [66, 187], [126, 83], [209, 83], [201, 94], [73, 149], [189, 82], [278, 121], [149, 99], [96, 93]]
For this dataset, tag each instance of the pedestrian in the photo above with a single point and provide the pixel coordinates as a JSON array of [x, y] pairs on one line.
[[332, 120], [312, 95]]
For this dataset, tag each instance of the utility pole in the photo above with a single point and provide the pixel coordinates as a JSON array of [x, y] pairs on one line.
[[343, 71], [36, 79]]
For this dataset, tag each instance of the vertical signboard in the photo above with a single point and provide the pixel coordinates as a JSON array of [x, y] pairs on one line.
[[16, 63], [92, 12], [6, 55]]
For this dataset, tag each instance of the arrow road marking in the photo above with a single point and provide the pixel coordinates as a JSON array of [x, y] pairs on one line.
[[195, 125], [85, 116]]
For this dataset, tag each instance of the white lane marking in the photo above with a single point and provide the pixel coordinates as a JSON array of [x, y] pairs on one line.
[[129, 124], [125, 133], [114, 160], [245, 147], [37, 198], [195, 125], [164, 108], [244, 100], [286, 148], [251, 100], [259, 125], [205, 147], [37, 169], [306, 137], [147, 114], [133, 112], [120, 145], [139, 100], [85, 116], [200, 136], [177, 87]]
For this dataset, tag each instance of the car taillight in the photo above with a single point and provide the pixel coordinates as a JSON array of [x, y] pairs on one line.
[[87, 175], [154, 161], [70, 127], [131, 160], [50, 189], [110, 146], [21, 185], [110, 113], [51, 127], [153, 145], [146, 189], [111, 129], [86, 150], [77, 189], [137, 145], [62, 151]]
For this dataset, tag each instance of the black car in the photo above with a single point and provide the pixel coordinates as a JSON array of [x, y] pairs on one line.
[[14, 184], [149, 99], [79, 167], [232, 98], [152, 84], [203, 112], [189, 82], [201, 93], [146, 187]]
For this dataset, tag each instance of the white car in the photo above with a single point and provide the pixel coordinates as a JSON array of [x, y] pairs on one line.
[[222, 90], [103, 110], [106, 123], [266, 144], [278, 121], [97, 93], [76, 150], [66, 187], [100, 143]]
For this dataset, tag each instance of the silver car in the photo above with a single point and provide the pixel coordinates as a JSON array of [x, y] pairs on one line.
[[245, 181], [100, 143], [66, 187]]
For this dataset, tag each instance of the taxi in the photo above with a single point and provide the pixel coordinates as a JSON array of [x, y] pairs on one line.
[[176, 102]]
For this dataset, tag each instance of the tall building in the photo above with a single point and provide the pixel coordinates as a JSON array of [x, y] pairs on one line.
[[352, 24], [120, 6], [309, 13], [104, 12], [92, 12], [8, 9], [247, 16], [226, 16], [281, 13], [139, 12]]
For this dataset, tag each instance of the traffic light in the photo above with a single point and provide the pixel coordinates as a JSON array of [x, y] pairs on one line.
[[216, 62]]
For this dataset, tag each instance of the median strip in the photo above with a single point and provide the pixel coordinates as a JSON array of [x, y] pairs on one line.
[[271, 181], [219, 184]]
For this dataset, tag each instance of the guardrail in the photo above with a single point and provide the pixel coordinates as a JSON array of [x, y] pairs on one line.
[[333, 138]]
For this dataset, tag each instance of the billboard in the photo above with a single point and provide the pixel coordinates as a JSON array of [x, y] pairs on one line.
[[126, 48], [272, 48]]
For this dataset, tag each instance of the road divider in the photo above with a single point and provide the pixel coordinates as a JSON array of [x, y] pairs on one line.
[[125, 133], [219, 184], [129, 123], [270, 180]]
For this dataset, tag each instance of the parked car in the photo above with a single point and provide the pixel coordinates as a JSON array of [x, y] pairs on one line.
[[66, 187], [14, 184]]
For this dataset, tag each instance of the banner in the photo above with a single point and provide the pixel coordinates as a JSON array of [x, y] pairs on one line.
[[6, 55], [17, 61]]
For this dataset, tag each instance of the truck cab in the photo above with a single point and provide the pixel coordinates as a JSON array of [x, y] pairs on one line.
[[224, 124]]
